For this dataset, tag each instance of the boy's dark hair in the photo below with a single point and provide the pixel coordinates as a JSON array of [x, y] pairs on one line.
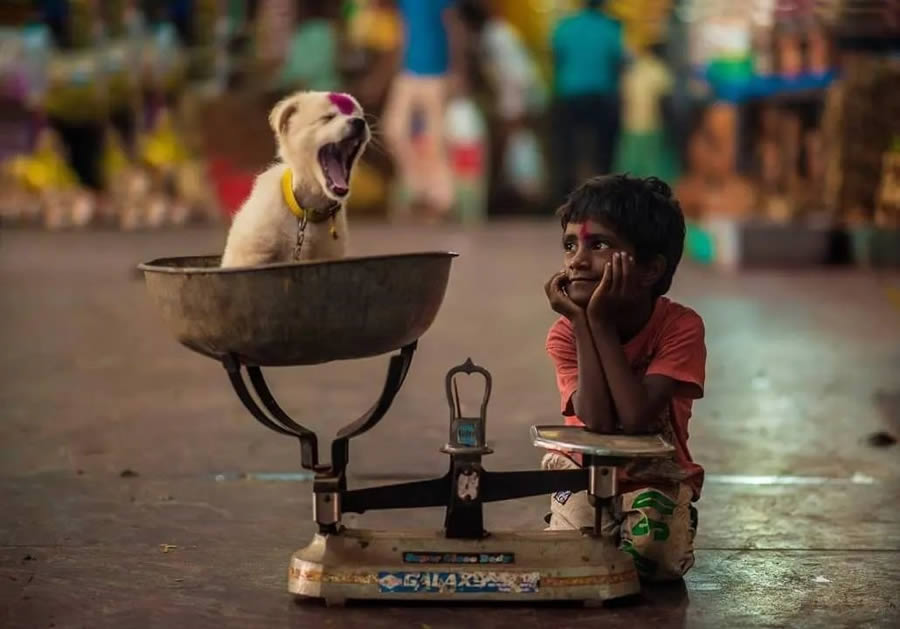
[[643, 211]]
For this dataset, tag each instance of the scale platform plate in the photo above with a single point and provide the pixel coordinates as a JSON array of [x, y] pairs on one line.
[[365, 564], [300, 313], [582, 441]]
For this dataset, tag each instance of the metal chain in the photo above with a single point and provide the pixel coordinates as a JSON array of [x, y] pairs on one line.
[[301, 235]]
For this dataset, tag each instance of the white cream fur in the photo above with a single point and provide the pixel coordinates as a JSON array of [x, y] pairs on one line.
[[264, 230]]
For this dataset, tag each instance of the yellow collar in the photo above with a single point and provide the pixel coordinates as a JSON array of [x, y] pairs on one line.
[[287, 192]]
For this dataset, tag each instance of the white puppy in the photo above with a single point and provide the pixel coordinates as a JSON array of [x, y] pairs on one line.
[[321, 136]]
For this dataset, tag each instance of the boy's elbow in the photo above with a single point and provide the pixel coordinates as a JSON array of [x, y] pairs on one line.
[[593, 421]]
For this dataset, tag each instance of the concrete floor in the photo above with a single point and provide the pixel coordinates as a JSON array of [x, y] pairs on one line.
[[799, 520]]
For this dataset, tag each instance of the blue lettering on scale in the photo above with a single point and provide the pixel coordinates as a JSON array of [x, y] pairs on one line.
[[458, 582], [466, 558]]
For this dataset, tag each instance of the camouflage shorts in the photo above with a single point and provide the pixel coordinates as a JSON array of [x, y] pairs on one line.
[[655, 525]]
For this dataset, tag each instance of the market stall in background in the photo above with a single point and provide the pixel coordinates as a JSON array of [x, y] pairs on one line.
[[776, 122], [791, 158], [97, 130]]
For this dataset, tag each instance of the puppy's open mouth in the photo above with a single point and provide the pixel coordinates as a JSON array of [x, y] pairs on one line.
[[336, 160]]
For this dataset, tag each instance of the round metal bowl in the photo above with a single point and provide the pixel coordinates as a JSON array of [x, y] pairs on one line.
[[301, 313]]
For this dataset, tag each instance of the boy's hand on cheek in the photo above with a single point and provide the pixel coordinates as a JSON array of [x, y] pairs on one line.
[[559, 300], [614, 289]]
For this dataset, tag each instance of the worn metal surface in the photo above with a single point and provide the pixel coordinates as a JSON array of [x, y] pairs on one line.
[[522, 566], [576, 439], [799, 519], [301, 313]]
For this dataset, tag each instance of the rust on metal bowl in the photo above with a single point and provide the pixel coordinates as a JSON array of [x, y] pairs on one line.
[[301, 313]]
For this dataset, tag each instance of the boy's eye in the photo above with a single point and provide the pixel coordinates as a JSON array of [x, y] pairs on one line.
[[569, 245], [599, 244]]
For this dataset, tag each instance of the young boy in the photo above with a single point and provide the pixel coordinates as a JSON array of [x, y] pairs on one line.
[[629, 360]]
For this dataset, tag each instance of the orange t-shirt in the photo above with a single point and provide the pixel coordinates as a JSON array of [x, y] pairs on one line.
[[671, 344]]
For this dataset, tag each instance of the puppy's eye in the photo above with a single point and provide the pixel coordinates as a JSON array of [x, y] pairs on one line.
[[328, 117]]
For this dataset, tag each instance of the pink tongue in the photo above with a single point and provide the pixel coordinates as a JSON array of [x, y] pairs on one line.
[[336, 173]]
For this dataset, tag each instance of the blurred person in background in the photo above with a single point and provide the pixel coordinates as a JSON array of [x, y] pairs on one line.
[[432, 66], [644, 149], [519, 93], [311, 59], [74, 103], [375, 28], [272, 31], [588, 51], [510, 68]]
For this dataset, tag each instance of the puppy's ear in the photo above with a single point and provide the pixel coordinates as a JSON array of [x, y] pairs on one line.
[[281, 114]]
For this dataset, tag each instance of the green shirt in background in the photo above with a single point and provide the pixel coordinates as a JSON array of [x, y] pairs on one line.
[[311, 60], [588, 53]]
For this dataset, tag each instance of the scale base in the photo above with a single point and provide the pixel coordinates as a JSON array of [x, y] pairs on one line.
[[425, 565]]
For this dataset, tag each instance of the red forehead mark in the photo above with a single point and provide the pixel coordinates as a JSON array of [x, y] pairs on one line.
[[343, 102], [583, 231]]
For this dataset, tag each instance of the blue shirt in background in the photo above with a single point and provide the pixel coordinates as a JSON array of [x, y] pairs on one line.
[[588, 52], [427, 50]]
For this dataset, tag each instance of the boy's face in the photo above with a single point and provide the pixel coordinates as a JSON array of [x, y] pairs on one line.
[[587, 247]]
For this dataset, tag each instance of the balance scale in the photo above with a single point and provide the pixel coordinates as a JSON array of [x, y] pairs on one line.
[[315, 312]]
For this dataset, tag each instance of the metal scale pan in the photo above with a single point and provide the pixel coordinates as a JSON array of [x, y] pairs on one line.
[[302, 313]]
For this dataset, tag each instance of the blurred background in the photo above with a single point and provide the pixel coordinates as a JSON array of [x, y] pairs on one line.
[[776, 121], [140, 488]]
